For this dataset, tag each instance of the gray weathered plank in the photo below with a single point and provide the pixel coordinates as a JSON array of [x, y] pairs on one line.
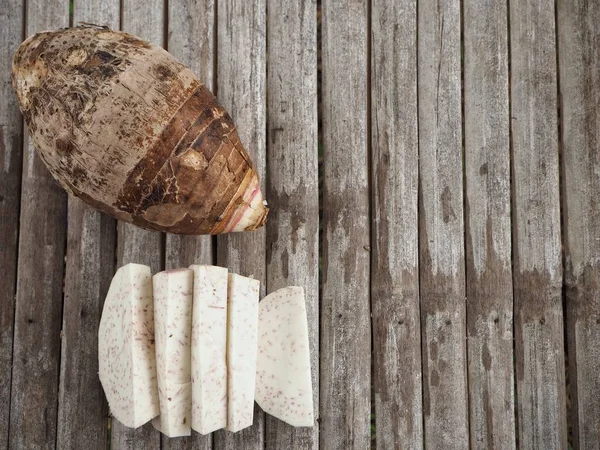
[[12, 24], [293, 193], [442, 272], [191, 40], [395, 253], [82, 409], [345, 397], [536, 228], [241, 75], [34, 393], [488, 225], [144, 18], [579, 70]]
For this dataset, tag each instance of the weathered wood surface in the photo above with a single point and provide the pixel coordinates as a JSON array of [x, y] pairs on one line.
[[42, 233], [537, 263], [393, 240], [12, 24], [579, 64], [90, 259], [488, 230], [241, 89], [191, 36], [345, 393], [191, 32], [395, 253], [82, 408], [442, 272], [293, 191], [144, 18]]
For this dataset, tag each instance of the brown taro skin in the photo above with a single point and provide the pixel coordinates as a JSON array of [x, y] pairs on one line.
[[127, 128]]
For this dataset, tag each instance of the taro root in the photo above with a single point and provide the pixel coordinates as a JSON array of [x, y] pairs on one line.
[[242, 330], [192, 349], [124, 126], [173, 343], [209, 349], [283, 377], [126, 351]]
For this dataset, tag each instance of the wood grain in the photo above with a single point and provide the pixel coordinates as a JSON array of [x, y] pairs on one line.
[[293, 191], [191, 36], [82, 408], [488, 225], [241, 88], [61, 406], [579, 70], [345, 312], [144, 18], [536, 227], [36, 358], [191, 30], [12, 24], [442, 274], [394, 258]]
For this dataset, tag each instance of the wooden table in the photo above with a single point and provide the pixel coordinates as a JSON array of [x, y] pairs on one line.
[[433, 171]]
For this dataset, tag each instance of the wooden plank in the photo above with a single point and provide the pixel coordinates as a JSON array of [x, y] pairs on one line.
[[488, 225], [394, 263], [536, 228], [441, 238], [345, 321], [241, 75], [293, 225], [82, 408], [191, 40], [144, 18], [12, 24], [579, 69], [38, 311]]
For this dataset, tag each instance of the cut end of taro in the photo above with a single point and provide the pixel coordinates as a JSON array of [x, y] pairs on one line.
[[251, 211]]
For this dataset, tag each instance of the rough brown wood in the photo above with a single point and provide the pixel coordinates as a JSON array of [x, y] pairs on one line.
[[191, 40], [241, 75], [488, 226], [293, 192], [442, 275], [579, 70], [12, 24], [536, 228], [90, 259], [345, 312], [36, 358], [394, 258], [143, 18]]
